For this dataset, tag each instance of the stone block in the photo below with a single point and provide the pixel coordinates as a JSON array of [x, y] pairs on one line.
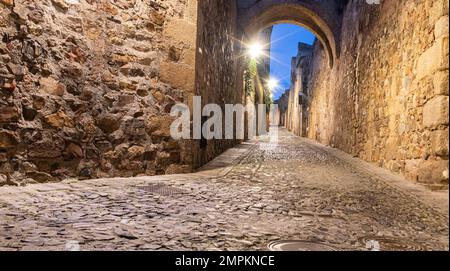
[[172, 145], [440, 82], [74, 150], [178, 75], [435, 112], [121, 59], [59, 120], [412, 169], [181, 31], [163, 159], [148, 58], [433, 172], [395, 166], [439, 143], [188, 57], [159, 97], [8, 139], [8, 114], [60, 4], [441, 27], [136, 152], [135, 127], [439, 9], [46, 149], [434, 59], [125, 99], [159, 126], [191, 11], [51, 86], [157, 18], [38, 102], [391, 148], [109, 123], [8, 3]]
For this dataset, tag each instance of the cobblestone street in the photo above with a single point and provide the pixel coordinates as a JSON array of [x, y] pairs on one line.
[[244, 200]]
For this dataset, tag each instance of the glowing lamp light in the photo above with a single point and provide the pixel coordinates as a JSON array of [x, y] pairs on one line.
[[272, 84], [255, 50]]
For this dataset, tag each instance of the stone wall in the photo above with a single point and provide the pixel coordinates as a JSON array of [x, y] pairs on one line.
[[298, 94], [86, 87], [386, 98], [283, 104], [218, 80]]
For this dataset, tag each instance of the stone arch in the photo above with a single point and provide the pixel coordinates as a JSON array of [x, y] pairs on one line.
[[265, 13]]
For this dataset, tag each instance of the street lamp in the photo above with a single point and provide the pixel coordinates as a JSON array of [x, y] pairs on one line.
[[272, 84], [255, 50]]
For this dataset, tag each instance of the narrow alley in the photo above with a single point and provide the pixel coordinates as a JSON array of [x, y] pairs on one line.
[[224, 125], [248, 198]]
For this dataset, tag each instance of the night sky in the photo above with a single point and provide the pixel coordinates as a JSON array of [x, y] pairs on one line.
[[285, 39]]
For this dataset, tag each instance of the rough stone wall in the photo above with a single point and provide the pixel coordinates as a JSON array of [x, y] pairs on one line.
[[305, 51], [86, 87], [300, 72], [319, 103], [283, 104], [386, 98], [217, 77]]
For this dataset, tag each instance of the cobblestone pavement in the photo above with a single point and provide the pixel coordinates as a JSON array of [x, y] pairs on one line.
[[297, 191]]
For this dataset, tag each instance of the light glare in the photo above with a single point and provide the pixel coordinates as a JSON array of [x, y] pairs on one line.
[[255, 50], [272, 84]]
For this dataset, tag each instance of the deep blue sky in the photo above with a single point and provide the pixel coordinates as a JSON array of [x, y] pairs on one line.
[[285, 39]]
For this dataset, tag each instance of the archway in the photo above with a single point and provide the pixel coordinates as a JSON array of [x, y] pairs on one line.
[[266, 13]]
